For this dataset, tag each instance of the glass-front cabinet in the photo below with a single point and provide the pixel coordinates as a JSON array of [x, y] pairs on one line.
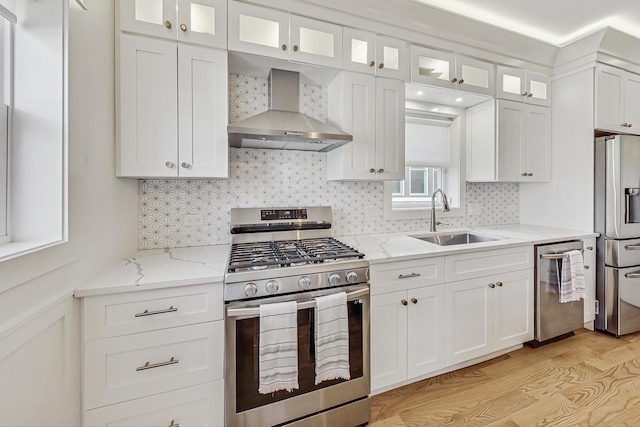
[[522, 86], [444, 69], [201, 22], [277, 34], [359, 51], [392, 58]]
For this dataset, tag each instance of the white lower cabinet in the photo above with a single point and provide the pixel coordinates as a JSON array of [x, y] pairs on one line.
[[431, 314], [154, 357], [589, 246]]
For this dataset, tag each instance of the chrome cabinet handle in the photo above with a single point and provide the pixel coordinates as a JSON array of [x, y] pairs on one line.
[[632, 247], [632, 275], [460, 81], [380, 170], [185, 165], [453, 80], [381, 65], [372, 63], [372, 170], [413, 300], [404, 302], [407, 276], [295, 48], [284, 47], [167, 24], [492, 285], [169, 165], [499, 284], [171, 309], [183, 27], [147, 365]]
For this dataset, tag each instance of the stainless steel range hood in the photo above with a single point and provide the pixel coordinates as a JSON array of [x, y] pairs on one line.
[[283, 126]]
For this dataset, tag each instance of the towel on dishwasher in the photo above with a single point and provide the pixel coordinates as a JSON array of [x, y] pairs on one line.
[[332, 338], [572, 286], [278, 357]]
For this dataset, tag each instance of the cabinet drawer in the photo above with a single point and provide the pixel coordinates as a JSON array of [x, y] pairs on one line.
[[132, 366], [403, 275], [486, 263], [133, 312], [201, 405]]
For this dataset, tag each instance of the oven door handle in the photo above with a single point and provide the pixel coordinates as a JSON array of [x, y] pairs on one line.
[[255, 311]]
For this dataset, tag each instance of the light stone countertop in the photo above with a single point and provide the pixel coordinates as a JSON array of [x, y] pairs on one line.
[[164, 268]]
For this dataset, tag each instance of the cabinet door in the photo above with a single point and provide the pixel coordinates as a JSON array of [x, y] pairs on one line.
[[538, 90], [392, 58], [513, 305], [315, 42], [590, 279], [148, 118], [468, 320], [511, 84], [258, 30], [632, 103], [475, 76], [151, 17], [510, 141], [425, 345], [432, 67], [358, 51], [390, 130], [481, 142], [537, 143], [609, 98], [203, 92], [203, 22], [388, 339], [355, 113]]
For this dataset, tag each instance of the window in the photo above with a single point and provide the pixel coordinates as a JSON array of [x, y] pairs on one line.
[[433, 159]]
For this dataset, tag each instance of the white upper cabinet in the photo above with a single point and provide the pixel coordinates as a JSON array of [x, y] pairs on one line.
[[375, 54], [392, 58], [201, 22], [443, 69], [522, 86], [273, 33], [617, 100], [172, 111], [359, 51], [508, 141], [372, 110]]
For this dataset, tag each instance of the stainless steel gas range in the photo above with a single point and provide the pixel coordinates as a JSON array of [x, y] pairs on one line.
[[280, 255]]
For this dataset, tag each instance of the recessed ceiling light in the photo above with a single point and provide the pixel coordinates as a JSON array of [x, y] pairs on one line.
[[458, 99], [420, 93]]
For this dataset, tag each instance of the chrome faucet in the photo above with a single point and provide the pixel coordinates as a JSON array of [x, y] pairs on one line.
[[445, 207]]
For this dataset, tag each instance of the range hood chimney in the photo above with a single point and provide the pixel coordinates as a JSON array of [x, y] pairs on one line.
[[283, 126]]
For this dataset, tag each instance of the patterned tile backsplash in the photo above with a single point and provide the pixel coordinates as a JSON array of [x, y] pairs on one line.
[[286, 178]]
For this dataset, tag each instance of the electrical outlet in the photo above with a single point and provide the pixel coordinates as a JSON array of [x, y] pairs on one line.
[[192, 220], [475, 208]]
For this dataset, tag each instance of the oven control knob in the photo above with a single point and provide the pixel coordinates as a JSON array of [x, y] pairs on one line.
[[334, 279], [304, 283], [271, 286], [352, 277], [250, 290]]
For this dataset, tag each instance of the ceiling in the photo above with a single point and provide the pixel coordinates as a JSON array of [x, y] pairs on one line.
[[557, 22]]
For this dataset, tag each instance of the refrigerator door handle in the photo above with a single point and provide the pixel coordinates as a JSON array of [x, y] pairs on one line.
[[632, 247], [635, 275]]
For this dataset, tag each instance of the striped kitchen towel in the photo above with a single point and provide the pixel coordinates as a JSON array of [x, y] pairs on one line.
[[278, 358], [332, 338], [572, 285]]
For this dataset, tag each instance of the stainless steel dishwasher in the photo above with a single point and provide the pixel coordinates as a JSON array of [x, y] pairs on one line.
[[554, 320]]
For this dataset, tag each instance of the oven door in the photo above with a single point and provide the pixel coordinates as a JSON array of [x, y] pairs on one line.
[[246, 407]]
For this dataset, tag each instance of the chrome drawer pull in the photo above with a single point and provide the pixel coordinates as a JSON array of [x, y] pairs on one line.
[[146, 366], [632, 275], [408, 276], [174, 424], [632, 247], [151, 313]]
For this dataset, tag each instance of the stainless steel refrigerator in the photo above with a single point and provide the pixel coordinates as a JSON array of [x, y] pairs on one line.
[[617, 219]]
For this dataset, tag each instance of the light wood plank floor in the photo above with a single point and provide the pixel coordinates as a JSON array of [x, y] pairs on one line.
[[591, 379]]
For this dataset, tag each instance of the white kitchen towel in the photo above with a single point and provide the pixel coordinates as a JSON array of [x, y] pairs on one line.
[[278, 357], [332, 337], [572, 286]]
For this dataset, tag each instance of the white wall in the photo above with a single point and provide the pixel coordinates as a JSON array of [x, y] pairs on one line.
[[566, 201], [102, 219]]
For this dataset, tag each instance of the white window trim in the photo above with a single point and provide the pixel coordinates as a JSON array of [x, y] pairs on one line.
[[458, 126]]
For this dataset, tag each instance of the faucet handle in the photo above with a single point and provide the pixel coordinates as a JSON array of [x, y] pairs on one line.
[[442, 223]]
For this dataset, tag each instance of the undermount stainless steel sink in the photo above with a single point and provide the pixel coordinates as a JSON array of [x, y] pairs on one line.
[[457, 238]]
